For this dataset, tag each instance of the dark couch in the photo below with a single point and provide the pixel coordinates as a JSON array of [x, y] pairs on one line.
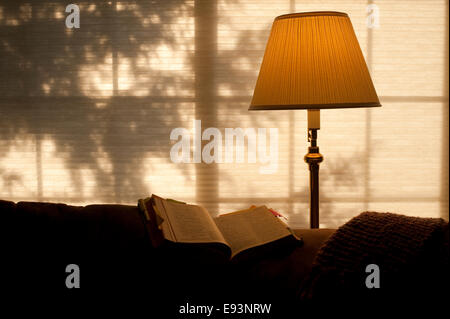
[[110, 245], [120, 269]]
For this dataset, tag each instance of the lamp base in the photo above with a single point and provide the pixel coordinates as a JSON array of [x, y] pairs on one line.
[[313, 158]]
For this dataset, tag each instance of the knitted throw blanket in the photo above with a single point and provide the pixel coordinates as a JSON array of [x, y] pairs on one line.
[[412, 255]]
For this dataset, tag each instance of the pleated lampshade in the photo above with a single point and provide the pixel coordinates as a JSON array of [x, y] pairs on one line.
[[313, 61]]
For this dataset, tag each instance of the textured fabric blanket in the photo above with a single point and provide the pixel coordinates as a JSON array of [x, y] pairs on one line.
[[412, 255]]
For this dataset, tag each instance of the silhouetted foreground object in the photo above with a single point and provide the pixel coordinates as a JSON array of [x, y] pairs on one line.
[[120, 268], [412, 255]]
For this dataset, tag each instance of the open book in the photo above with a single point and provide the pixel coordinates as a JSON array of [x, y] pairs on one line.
[[237, 232]]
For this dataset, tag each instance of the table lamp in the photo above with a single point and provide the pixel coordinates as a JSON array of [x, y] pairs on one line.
[[313, 61]]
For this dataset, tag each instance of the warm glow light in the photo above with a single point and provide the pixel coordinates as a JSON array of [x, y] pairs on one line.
[[313, 60]]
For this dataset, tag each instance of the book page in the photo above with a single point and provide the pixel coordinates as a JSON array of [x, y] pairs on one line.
[[187, 223], [250, 228], [165, 227]]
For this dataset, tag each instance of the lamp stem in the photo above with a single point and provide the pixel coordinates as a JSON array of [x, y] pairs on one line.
[[314, 189], [313, 158]]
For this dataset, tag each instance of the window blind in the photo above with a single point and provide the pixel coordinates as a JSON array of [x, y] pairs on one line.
[[86, 114]]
